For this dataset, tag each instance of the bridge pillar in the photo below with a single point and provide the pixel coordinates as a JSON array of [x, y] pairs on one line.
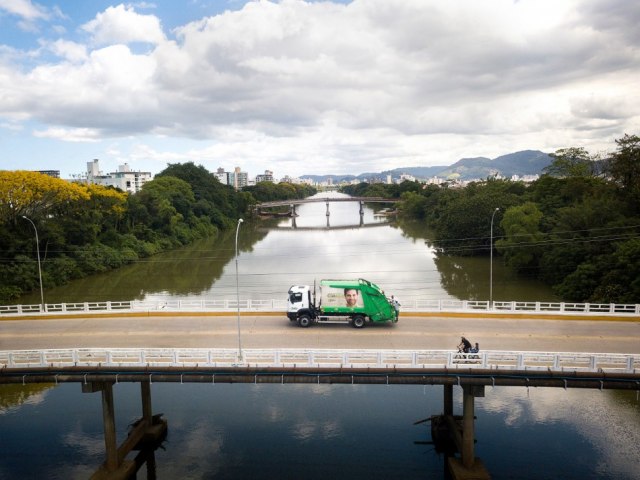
[[146, 435], [468, 467], [361, 208], [328, 209]]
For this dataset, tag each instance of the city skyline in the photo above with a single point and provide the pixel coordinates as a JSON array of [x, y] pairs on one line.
[[312, 88]]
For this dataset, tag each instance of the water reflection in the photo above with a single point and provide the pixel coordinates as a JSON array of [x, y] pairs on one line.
[[319, 431]]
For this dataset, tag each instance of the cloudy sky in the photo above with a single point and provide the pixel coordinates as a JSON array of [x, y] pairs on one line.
[[311, 87]]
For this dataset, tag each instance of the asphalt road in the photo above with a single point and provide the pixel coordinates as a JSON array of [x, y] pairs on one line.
[[436, 333]]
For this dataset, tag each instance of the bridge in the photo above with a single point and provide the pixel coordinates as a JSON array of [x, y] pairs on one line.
[[327, 200], [99, 369]]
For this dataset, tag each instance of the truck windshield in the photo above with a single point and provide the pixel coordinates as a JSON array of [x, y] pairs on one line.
[[295, 297]]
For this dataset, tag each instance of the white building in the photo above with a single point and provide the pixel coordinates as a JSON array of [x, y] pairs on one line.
[[125, 179], [266, 177]]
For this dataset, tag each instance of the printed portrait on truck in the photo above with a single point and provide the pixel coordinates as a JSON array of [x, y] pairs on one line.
[[341, 297]]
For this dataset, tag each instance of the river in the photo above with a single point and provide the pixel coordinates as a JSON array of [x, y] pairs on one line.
[[314, 432], [273, 256]]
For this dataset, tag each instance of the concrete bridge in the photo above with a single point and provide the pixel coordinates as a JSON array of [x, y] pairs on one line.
[[327, 200], [566, 350]]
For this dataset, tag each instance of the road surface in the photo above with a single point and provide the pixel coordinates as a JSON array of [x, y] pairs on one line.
[[410, 333]]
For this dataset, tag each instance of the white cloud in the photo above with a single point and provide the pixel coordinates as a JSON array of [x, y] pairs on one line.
[[71, 51], [25, 9], [69, 135], [121, 24]]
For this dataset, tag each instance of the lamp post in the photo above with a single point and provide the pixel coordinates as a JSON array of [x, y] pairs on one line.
[[238, 294], [38, 253], [491, 261]]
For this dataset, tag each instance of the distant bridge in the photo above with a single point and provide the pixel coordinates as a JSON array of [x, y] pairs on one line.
[[294, 202]]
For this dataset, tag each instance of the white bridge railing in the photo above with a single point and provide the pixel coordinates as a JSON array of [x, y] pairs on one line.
[[409, 306], [306, 358]]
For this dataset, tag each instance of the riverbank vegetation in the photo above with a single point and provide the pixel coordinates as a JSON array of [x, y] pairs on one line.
[[577, 227], [84, 229]]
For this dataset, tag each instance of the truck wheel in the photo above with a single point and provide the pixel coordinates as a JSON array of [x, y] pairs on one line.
[[358, 321], [304, 321]]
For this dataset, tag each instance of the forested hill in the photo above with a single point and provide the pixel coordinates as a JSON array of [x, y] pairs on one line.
[[526, 162]]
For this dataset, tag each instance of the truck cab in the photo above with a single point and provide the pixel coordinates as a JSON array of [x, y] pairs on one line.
[[300, 304]]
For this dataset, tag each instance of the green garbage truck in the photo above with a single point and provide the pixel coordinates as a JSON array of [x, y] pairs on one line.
[[354, 301]]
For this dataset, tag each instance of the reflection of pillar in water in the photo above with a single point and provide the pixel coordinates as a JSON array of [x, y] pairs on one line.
[[108, 419], [293, 222], [328, 225], [467, 426]]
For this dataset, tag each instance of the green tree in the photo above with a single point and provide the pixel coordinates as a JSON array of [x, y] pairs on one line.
[[624, 167], [522, 236], [570, 162]]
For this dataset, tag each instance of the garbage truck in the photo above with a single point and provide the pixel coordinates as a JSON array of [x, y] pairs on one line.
[[354, 301]]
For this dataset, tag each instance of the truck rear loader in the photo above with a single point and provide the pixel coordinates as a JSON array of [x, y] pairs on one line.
[[354, 301]]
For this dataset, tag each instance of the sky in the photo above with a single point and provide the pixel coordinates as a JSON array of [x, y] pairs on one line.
[[311, 87]]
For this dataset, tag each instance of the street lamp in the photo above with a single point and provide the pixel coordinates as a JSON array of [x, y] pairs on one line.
[[491, 261], [38, 253], [238, 294]]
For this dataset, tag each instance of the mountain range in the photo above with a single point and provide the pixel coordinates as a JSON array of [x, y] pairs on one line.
[[526, 162]]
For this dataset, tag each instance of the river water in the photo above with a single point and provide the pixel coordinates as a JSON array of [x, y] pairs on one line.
[[303, 431]]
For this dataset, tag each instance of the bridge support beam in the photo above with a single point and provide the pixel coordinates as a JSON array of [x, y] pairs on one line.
[[146, 435]]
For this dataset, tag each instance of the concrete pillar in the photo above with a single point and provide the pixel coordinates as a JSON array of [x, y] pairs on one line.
[[361, 208], [328, 209]]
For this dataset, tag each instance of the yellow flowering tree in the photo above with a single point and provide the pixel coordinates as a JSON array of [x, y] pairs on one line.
[[34, 194]]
